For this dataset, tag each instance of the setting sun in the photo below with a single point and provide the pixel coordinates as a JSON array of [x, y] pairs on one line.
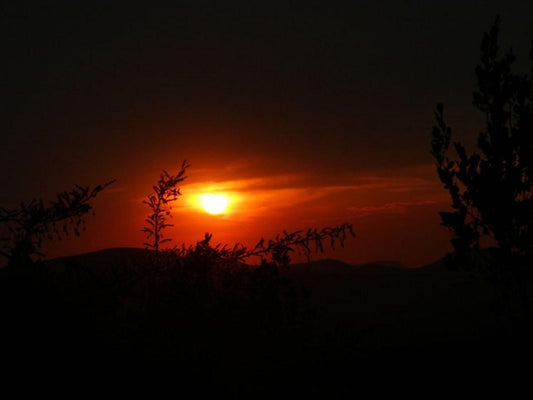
[[214, 203]]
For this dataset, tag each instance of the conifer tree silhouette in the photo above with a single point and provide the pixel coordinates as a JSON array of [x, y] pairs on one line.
[[491, 189]]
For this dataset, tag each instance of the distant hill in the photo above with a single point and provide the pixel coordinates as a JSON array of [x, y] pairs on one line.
[[391, 305], [106, 259], [387, 303], [332, 265], [102, 259]]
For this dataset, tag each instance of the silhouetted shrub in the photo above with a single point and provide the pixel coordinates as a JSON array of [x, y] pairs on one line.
[[165, 192], [28, 225], [275, 251], [199, 305]]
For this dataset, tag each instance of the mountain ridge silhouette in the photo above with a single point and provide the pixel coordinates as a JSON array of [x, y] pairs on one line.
[[396, 305]]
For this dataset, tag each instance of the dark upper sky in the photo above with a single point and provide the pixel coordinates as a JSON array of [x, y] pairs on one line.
[[328, 90]]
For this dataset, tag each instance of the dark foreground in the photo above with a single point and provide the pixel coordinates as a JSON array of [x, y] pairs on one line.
[[119, 321]]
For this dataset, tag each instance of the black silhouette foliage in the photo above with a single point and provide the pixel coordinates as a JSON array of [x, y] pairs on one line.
[[29, 224], [491, 189], [224, 299], [274, 251], [277, 250], [165, 192]]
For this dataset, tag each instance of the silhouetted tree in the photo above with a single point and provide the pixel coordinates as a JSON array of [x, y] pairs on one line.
[[165, 192], [491, 190], [28, 225]]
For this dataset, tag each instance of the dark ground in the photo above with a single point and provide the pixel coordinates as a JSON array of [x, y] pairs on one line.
[[100, 321]]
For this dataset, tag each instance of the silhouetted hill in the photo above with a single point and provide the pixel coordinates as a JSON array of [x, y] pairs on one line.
[[382, 303], [336, 266], [103, 259], [386, 304]]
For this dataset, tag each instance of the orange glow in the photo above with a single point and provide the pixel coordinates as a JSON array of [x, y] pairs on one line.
[[378, 205], [214, 203]]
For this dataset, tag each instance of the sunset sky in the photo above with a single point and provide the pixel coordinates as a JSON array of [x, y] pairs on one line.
[[306, 114]]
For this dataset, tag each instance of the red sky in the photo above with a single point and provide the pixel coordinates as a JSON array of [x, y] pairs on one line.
[[394, 213], [310, 113]]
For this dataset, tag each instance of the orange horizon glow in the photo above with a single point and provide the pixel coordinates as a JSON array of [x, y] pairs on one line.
[[394, 214]]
